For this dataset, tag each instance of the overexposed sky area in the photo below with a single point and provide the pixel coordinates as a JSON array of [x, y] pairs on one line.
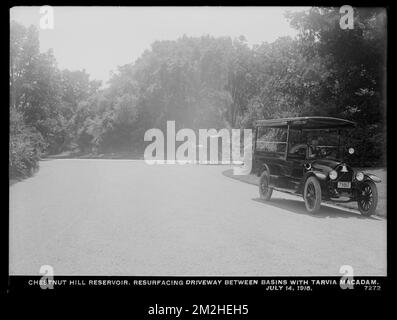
[[98, 39]]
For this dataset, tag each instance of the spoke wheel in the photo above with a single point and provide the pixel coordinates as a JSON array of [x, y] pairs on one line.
[[265, 192], [312, 195], [368, 198]]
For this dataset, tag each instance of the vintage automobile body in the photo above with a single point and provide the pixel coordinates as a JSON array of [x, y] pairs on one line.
[[292, 163]]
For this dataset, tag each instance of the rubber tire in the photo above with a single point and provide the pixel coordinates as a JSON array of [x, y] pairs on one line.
[[317, 189], [372, 209], [265, 178]]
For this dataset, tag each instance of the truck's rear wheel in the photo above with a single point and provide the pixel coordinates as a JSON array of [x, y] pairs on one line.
[[265, 191]]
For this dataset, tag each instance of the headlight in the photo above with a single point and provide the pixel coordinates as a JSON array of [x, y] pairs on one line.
[[359, 176], [333, 175], [351, 150]]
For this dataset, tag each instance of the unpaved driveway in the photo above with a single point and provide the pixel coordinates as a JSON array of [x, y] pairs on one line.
[[123, 217]]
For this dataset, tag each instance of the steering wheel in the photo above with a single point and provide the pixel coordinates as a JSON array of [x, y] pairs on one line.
[[296, 149]]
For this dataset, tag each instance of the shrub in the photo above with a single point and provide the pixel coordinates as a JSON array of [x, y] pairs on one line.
[[25, 148]]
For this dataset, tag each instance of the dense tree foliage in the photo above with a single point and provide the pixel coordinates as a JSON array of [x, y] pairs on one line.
[[43, 101], [355, 60], [202, 82]]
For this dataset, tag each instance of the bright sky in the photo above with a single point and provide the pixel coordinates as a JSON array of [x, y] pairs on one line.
[[98, 39]]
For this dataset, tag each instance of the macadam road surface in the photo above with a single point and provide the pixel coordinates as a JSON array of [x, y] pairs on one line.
[[124, 217]]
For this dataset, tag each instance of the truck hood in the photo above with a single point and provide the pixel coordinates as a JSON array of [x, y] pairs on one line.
[[325, 165]]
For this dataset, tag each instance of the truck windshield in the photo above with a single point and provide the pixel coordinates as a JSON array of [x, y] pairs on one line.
[[315, 144], [323, 144]]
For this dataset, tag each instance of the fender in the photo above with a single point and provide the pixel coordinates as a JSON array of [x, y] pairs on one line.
[[319, 175], [370, 176], [263, 168]]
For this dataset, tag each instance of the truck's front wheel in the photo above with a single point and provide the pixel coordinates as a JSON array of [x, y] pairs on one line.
[[368, 198], [312, 195]]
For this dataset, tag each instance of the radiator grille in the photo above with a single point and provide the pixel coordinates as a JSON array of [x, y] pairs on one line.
[[344, 176]]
